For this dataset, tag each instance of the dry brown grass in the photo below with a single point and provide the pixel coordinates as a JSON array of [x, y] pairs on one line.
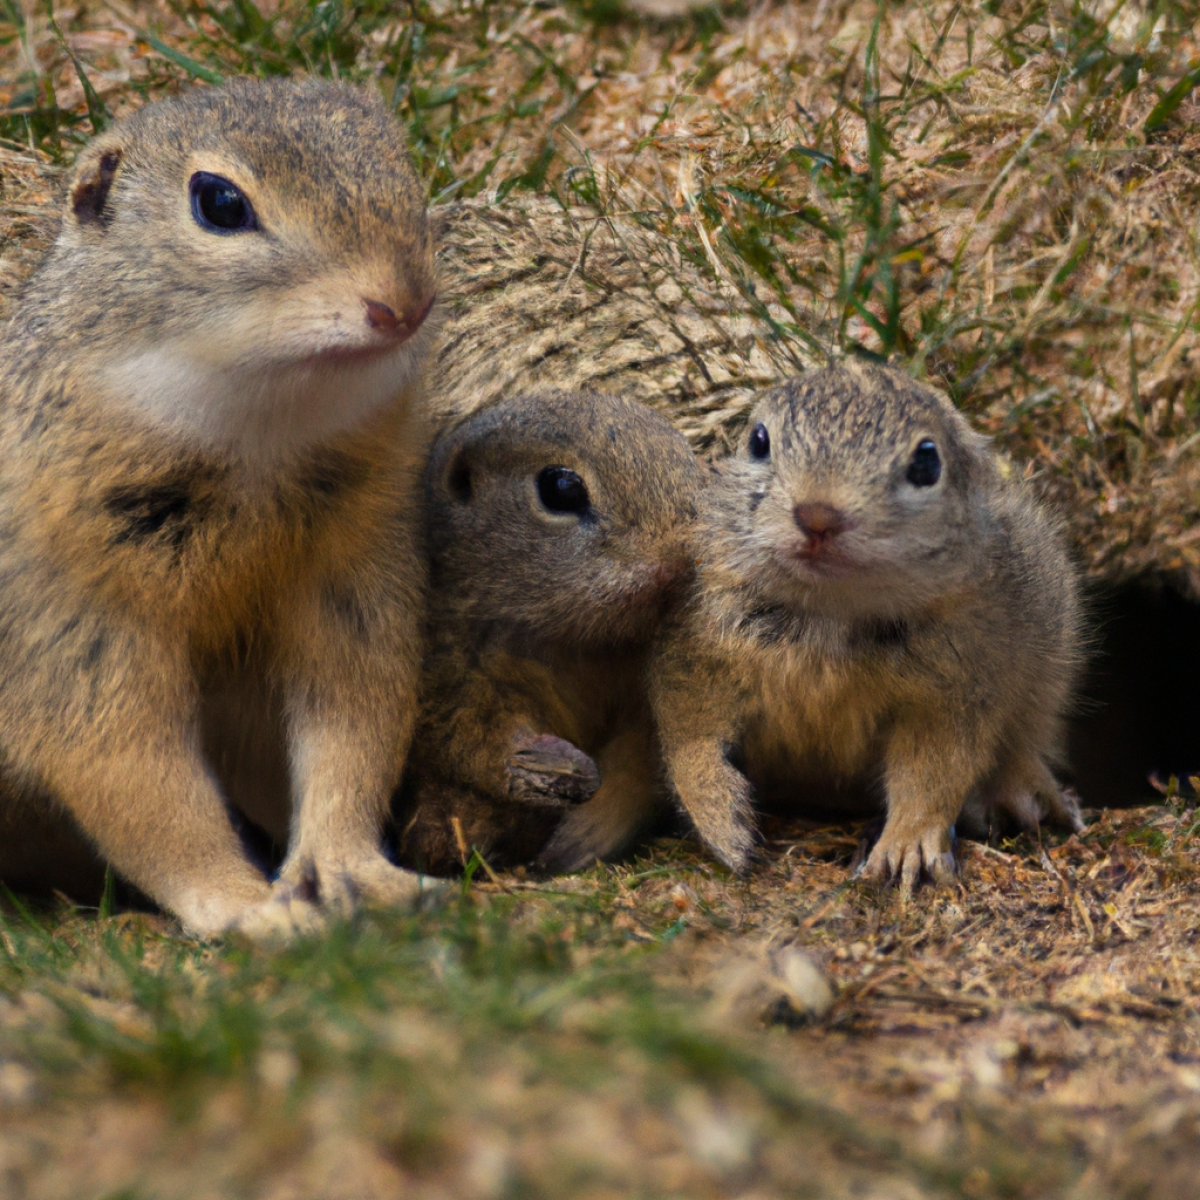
[[1046, 1007], [1011, 230]]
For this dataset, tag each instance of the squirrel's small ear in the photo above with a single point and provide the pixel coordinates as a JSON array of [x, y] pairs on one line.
[[93, 181], [448, 476], [457, 474]]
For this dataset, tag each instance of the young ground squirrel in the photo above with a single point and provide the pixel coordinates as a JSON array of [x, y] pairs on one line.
[[211, 448], [557, 535], [877, 601]]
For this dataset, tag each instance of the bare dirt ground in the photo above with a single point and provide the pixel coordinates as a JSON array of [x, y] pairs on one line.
[[642, 1030], [688, 204]]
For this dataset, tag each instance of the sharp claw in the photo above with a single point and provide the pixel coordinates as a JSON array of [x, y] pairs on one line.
[[942, 867], [906, 866], [280, 919]]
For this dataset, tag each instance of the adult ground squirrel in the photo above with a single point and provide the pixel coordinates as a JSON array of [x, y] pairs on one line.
[[877, 601], [557, 529], [211, 445]]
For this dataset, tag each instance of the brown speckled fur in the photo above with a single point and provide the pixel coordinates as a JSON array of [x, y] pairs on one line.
[[540, 625], [195, 503], [932, 653]]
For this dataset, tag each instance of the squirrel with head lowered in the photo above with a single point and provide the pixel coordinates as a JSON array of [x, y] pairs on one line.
[[211, 433], [557, 534]]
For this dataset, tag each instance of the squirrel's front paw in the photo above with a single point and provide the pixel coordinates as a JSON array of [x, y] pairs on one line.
[[718, 800], [585, 836], [731, 838], [907, 857], [286, 915], [548, 772], [339, 884]]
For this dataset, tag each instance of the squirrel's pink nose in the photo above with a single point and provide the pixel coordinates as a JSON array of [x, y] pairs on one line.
[[819, 521], [381, 317], [384, 319]]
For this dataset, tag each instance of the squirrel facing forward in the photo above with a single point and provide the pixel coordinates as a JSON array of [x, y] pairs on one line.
[[876, 602], [557, 534], [211, 440]]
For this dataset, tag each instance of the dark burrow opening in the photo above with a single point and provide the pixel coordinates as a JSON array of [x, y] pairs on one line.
[[1139, 709]]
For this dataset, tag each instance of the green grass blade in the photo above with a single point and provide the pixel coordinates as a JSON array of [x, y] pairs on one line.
[[1175, 96], [190, 65]]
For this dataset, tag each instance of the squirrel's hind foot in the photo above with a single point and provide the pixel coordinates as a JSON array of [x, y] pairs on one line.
[[549, 772]]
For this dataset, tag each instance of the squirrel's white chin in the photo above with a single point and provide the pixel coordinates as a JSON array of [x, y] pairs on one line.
[[261, 412]]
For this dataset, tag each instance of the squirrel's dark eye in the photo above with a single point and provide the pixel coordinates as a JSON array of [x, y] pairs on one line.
[[561, 490], [219, 206], [926, 467], [760, 441]]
